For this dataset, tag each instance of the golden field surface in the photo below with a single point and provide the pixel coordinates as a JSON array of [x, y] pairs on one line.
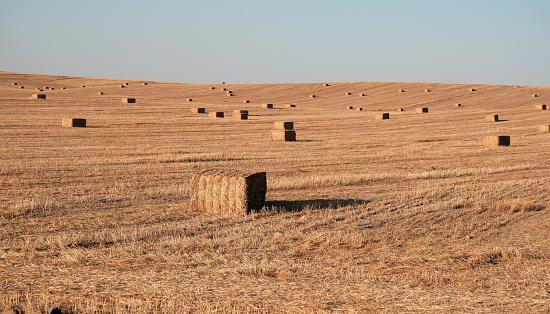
[[410, 214]]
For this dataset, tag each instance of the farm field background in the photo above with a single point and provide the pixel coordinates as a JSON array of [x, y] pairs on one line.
[[412, 213]]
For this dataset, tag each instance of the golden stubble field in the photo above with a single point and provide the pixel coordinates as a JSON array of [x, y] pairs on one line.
[[410, 214]]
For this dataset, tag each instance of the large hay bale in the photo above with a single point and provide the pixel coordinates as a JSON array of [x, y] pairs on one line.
[[198, 110], [326, 85], [216, 114], [421, 110], [240, 115], [129, 100], [122, 86], [544, 128], [269, 106], [282, 125], [63, 87], [401, 90], [46, 87], [125, 83], [540, 107], [52, 88], [283, 135], [290, 106], [228, 92], [491, 118], [227, 192], [381, 116], [223, 89], [74, 123], [38, 96], [83, 86], [492, 141], [222, 83], [230, 95]]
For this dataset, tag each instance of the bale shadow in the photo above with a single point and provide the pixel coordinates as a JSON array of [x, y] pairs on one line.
[[299, 205]]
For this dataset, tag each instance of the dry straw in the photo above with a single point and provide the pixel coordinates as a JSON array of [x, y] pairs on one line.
[[73, 123], [129, 100], [427, 91], [326, 85], [544, 128], [381, 116], [229, 95], [421, 110], [21, 87], [38, 96], [217, 114], [269, 106], [122, 86], [198, 110], [472, 89], [227, 192], [540, 107], [493, 141], [401, 90], [63, 88], [491, 118], [361, 95]]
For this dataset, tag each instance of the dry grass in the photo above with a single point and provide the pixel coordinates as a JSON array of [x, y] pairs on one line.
[[409, 215]]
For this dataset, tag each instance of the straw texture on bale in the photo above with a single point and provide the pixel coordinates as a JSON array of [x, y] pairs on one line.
[[217, 114], [198, 110], [544, 128], [240, 116], [283, 135], [39, 96], [290, 106], [421, 110], [129, 100], [381, 116], [282, 125], [227, 193], [540, 107], [267, 105], [74, 123], [492, 141], [491, 118]]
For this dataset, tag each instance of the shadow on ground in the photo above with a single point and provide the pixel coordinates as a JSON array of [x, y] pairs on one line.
[[296, 206]]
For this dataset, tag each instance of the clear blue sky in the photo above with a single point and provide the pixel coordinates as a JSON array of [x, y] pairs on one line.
[[257, 41]]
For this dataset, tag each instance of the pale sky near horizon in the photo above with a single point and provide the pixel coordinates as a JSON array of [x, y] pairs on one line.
[[481, 42]]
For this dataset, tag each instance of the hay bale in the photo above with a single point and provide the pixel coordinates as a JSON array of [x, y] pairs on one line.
[[100, 93], [401, 90], [347, 94], [189, 99], [281, 125], [74, 123], [240, 115], [222, 83], [129, 100], [38, 96], [228, 92], [240, 111], [349, 107], [283, 135], [359, 109], [83, 86], [326, 85], [427, 90], [491, 118], [212, 87], [492, 141], [421, 110], [63, 88], [458, 105], [381, 116], [229, 95], [14, 84], [535, 95], [122, 86], [540, 107], [312, 96], [269, 106], [144, 83], [472, 89], [46, 87], [544, 128], [400, 109], [290, 106], [246, 101], [125, 83], [21, 87], [361, 95], [52, 88], [216, 114], [198, 110], [227, 192], [223, 89]]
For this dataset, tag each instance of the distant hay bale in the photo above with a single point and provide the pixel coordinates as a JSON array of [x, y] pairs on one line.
[[227, 192], [46, 87], [269, 106], [282, 125], [240, 115], [129, 100], [189, 99], [472, 89], [83, 86], [228, 92], [13, 83], [348, 93], [381, 116], [540, 107], [122, 86], [544, 128], [290, 106], [535, 95], [283, 135], [359, 109], [326, 85], [491, 118], [492, 141], [222, 83], [144, 83], [38, 96], [198, 110], [349, 107], [216, 114], [427, 90], [52, 88], [246, 101], [21, 87], [400, 109], [312, 96], [125, 83], [212, 87], [458, 105], [361, 95], [73, 123], [224, 89], [230, 95], [63, 88], [100, 93], [401, 90], [421, 110]]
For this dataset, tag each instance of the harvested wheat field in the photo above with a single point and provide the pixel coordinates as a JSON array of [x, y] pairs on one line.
[[413, 214]]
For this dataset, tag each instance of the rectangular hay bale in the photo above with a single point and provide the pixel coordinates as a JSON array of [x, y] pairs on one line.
[[240, 116], [74, 123], [216, 114], [240, 111], [421, 110], [491, 118], [493, 141], [290, 106], [269, 106], [129, 100], [281, 125], [544, 128], [283, 135], [198, 110], [540, 107], [227, 192], [381, 116], [38, 96]]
